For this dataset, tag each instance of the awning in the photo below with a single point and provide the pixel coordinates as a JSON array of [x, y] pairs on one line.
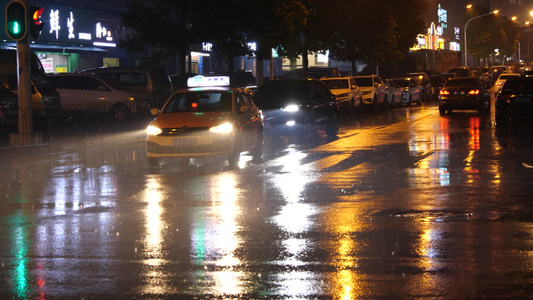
[[59, 48]]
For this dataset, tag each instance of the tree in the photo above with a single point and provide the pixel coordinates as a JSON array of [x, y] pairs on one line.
[[224, 24], [483, 35], [161, 24], [375, 31], [274, 26]]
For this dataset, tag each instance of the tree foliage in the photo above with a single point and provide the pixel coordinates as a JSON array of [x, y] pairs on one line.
[[369, 31], [486, 34], [161, 24]]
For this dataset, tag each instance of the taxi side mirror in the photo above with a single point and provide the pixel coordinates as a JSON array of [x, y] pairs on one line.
[[154, 111]]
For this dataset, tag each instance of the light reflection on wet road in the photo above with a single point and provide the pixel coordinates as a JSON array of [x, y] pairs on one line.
[[405, 204]]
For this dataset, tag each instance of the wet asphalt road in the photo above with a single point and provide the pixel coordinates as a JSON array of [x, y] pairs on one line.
[[404, 204]]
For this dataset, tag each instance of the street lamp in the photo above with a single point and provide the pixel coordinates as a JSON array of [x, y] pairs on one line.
[[477, 17]]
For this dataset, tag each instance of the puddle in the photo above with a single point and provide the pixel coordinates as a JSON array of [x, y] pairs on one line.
[[441, 215]]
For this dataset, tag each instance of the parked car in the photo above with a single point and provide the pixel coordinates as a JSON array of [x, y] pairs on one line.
[[501, 80], [514, 101], [149, 81], [437, 81], [313, 72], [298, 107], [205, 120], [8, 106], [463, 93], [44, 98], [374, 91], [85, 92], [346, 91], [411, 91], [424, 81], [394, 93]]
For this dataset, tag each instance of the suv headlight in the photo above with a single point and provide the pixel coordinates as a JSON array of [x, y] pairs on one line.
[[291, 108]]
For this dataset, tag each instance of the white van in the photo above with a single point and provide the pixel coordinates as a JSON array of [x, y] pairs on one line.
[[153, 81], [86, 92]]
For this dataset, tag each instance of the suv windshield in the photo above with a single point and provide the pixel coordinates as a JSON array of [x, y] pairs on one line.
[[199, 102], [518, 85], [402, 82], [364, 81], [337, 83]]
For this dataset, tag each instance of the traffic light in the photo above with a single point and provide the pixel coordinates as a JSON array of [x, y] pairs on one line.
[[16, 20], [35, 12]]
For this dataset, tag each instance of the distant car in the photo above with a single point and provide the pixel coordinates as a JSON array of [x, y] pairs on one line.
[[208, 119], [313, 72], [437, 81], [501, 80], [514, 101], [347, 92], [424, 81], [463, 93], [298, 107], [86, 92], [447, 76], [374, 91], [394, 93], [462, 71], [411, 90]]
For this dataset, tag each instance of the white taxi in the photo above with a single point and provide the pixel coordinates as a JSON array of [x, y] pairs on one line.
[[208, 119]]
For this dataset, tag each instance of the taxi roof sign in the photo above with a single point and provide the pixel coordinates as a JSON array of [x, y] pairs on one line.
[[204, 81]]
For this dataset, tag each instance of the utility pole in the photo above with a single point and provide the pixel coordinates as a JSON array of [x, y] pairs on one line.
[[18, 29]]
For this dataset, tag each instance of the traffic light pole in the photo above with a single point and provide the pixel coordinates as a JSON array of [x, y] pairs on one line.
[[24, 87]]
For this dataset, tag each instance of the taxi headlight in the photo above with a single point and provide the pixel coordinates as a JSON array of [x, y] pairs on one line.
[[291, 108], [223, 128], [153, 130]]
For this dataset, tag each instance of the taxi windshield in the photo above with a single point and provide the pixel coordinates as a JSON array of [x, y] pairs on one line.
[[199, 102]]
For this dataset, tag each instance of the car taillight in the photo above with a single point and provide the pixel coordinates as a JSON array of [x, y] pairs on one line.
[[473, 92]]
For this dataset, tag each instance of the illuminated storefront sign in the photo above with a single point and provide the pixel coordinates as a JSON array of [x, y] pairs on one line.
[[77, 27]]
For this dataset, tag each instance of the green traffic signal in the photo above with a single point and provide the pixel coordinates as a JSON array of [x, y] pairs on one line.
[[16, 20]]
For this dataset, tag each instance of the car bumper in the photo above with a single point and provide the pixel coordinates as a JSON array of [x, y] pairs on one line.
[[367, 99], [207, 145], [344, 103], [465, 103]]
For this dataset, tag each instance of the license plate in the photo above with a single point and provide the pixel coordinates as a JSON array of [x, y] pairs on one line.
[[185, 142], [522, 99]]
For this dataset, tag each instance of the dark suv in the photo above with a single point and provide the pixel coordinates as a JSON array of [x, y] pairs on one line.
[[298, 107], [515, 101]]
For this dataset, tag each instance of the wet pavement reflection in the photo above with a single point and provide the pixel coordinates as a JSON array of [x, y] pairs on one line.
[[404, 204]]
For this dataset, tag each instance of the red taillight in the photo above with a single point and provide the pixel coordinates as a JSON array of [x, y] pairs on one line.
[[473, 92], [444, 92]]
